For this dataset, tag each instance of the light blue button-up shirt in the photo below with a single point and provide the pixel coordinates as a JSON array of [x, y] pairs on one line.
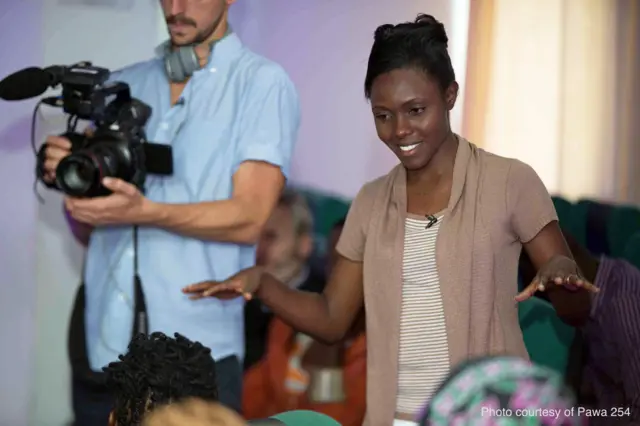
[[239, 107]]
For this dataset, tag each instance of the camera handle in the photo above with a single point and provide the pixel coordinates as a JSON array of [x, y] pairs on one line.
[[140, 323]]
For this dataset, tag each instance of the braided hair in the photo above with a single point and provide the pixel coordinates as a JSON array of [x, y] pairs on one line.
[[158, 370]]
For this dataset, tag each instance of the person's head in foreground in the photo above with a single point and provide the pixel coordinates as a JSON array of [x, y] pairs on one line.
[[504, 391], [412, 87], [159, 370], [194, 412]]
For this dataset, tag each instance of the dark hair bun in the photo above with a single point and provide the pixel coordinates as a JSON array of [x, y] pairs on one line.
[[420, 44], [425, 25], [434, 27], [383, 31]]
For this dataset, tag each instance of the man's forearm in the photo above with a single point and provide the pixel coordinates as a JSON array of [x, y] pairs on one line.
[[226, 221]]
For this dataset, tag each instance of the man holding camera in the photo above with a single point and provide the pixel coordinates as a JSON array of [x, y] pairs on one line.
[[231, 118]]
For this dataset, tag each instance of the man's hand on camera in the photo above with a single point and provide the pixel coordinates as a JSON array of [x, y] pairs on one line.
[[126, 206], [57, 148]]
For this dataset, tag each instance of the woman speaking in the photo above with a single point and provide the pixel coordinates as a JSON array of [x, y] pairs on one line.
[[431, 249]]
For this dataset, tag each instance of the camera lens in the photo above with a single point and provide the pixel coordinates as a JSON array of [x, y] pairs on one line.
[[78, 175]]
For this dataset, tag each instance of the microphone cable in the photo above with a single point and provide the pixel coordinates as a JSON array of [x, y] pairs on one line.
[[34, 120]]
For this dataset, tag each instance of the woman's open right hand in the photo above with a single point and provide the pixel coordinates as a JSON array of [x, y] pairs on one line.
[[245, 283]]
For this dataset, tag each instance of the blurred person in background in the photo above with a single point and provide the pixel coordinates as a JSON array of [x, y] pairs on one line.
[[287, 377], [158, 370], [431, 249], [607, 368], [284, 248], [231, 117]]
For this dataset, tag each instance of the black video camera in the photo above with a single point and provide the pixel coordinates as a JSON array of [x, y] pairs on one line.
[[117, 147]]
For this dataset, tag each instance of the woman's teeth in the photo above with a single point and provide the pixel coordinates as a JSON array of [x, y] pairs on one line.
[[407, 148]]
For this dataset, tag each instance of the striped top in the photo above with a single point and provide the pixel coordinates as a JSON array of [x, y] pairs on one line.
[[612, 336], [424, 353]]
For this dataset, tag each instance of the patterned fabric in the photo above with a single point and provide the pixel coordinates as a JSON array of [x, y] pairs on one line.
[[501, 391], [612, 370]]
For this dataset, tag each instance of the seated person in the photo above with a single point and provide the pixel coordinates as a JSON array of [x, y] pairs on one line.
[[156, 371], [283, 380], [609, 331], [285, 247]]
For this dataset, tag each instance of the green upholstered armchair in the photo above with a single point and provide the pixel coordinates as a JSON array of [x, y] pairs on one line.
[[547, 338], [327, 209], [623, 223]]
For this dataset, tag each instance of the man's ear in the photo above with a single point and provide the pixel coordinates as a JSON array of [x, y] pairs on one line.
[[112, 419]]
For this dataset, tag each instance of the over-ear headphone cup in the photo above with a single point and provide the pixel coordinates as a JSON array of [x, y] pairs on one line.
[[189, 61], [173, 67], [181, 63]]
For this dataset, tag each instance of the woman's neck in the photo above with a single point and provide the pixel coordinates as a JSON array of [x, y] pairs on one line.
[[440, 166]]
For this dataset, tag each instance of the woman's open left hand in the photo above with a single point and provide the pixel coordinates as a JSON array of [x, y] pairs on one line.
[[559, 271]]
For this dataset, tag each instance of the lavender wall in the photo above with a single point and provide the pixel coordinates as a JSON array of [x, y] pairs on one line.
[[324, 46], [59, 257], [21, 35]]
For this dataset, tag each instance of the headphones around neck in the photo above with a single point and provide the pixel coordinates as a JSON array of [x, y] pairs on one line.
[[181, 63]]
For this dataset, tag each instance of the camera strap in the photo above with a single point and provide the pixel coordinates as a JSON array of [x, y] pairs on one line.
[[140, 323]]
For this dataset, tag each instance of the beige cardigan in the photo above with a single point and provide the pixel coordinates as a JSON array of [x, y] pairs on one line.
[[496, 204]]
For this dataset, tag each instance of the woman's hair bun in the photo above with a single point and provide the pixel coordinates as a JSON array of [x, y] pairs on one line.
[[428, 27], [383, 31], [433, 26]]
